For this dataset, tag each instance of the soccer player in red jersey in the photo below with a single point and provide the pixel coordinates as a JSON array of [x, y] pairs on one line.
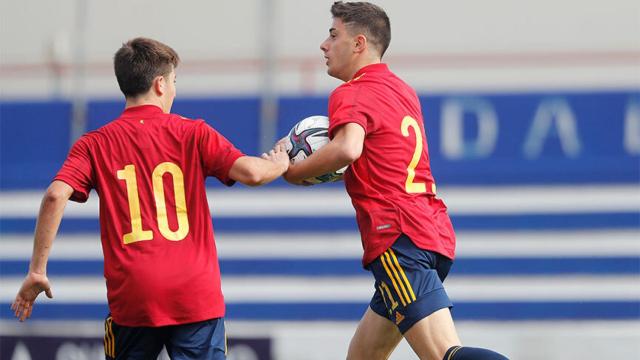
[[376, 127], [149, 168]]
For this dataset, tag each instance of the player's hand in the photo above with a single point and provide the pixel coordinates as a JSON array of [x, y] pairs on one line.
[[282, 142], [279, 156], [32, 286], [282, 145]]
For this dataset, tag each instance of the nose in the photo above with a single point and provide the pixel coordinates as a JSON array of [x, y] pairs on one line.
[[323, 46]]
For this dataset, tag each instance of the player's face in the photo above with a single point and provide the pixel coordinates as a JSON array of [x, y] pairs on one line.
[[338, 51]]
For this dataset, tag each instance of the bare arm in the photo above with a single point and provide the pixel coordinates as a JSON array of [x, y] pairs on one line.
[[343, 149], [51, 210], [255, 171]]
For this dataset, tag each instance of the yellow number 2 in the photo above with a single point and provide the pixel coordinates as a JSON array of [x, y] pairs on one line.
[[410, 186], [128, 174]]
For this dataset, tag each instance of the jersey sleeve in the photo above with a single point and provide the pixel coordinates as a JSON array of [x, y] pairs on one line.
[[344, 108], [217, 153], [77, 171]]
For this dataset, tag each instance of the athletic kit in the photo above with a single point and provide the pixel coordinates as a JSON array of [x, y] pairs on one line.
[[407, 236], [161, 266]]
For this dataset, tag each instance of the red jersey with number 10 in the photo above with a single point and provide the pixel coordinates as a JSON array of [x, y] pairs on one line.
[[149, 170], [391, 186]]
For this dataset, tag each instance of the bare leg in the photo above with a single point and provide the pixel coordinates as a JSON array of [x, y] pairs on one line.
[[375, 338], [431, 337]]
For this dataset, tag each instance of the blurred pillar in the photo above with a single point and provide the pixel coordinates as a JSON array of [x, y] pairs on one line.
[[78, 94], [58, 55], [268, 95]]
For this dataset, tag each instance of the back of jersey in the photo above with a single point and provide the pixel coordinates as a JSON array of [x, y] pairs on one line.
[[149, 169]]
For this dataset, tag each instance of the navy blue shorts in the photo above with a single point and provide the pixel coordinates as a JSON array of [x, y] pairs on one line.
[[409, 283], [200, 340]]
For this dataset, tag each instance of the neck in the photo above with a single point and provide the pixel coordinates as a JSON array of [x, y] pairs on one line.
[[145, 100]]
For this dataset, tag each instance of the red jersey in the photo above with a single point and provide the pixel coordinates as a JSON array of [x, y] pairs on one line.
[[149, 169], [390, 185]]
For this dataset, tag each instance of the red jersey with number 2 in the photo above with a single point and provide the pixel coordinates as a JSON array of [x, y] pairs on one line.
[[149, 170], [390, 185]]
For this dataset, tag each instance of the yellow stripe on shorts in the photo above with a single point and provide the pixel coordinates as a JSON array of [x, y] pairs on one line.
[[106, 338], [406, 281], [393, 280], [109, 339], [397, 276], [225, 338]]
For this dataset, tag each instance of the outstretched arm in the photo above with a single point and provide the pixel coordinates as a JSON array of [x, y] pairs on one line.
[[49, 218], [254, 171], [343, 149]]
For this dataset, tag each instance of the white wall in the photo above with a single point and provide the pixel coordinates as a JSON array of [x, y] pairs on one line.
[[438, 46]]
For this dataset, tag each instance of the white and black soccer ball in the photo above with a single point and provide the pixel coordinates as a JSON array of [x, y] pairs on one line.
[[307, 136]]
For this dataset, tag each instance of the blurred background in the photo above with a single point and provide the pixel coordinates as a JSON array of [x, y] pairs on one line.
[[532, 114]]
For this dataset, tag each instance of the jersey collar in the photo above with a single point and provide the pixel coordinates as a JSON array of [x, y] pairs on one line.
[[371, 68], [142, 110]]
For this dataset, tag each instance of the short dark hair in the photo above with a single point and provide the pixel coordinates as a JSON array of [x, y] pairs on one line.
[[139, 61], [367, 18]]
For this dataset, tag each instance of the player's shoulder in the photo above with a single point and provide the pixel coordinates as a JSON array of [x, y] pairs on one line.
[[190, 126], [347, 90], [357, 90], [95, 136], [182, 119], [185, 123]]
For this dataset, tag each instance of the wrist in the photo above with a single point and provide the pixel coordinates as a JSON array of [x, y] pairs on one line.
[[37, 270], [286, 166], [290, 175]]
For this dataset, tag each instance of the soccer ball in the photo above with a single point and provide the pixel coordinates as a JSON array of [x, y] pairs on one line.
[[307, 136]]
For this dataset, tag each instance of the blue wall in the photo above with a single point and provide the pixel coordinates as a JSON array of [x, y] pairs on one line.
[[34, 140], [538, 138]]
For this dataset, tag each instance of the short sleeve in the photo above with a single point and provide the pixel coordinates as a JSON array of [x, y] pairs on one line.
[[217, 153], [344, 108], [77, 171]]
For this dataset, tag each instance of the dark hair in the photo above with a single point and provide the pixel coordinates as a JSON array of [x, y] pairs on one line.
[[365, 18], [141, 60]]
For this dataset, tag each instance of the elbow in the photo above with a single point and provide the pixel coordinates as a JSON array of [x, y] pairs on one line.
[[55, 195], [255, 181], [349, 154]]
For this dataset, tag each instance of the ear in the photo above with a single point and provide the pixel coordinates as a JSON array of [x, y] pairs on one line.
[[360, 43], [159, 84]]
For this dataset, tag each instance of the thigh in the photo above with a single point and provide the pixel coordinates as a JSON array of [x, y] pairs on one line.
[[375, 338], [201, 340], [432, 336], [124, 342]]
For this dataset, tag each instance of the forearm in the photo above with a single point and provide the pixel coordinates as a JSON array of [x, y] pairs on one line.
[[268, 171], [254, 171], [51, 210], [345, 148], [327, 159]]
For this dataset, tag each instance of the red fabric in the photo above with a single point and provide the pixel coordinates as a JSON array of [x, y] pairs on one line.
[[154, 282], [379, 102]]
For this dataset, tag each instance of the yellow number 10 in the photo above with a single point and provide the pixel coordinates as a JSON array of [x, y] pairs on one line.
[[128, 174]]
